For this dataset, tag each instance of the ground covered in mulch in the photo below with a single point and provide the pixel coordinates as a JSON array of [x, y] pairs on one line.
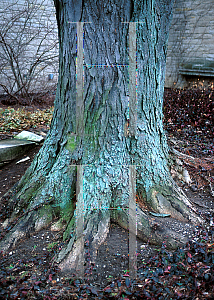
[[29, 271]]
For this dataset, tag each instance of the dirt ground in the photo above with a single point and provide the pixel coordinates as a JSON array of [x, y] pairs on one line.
[[29, 271]]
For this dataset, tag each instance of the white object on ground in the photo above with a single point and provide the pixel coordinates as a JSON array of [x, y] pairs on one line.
[[186, 176], [29, 136], [23, 160]]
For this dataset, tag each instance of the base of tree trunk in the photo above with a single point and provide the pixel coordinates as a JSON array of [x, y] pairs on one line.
[[39, 199], [151, 227]]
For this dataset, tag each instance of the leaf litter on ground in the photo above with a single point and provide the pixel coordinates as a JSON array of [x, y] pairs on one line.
[[186, 273], [12, 120]]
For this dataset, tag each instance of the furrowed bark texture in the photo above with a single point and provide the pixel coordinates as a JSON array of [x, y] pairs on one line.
[[106, 150]]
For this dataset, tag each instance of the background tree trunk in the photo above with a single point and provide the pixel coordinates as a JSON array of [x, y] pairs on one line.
[[105, 150]]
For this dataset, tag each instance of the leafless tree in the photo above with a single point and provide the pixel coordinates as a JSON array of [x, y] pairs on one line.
[[28, 46]]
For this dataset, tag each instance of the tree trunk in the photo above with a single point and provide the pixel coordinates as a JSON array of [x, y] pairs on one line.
[[94, 162]]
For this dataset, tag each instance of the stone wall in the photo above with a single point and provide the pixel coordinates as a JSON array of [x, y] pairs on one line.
[[191, 39]]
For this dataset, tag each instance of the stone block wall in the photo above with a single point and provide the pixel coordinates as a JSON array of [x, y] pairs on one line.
[[191, 38]]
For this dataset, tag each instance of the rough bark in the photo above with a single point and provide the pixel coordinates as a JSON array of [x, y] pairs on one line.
[[105, 150]]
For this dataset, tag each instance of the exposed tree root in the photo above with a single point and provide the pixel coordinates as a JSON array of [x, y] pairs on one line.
[[149, 229], [37, 201], [154, 230], [31, 222], [97, 227]]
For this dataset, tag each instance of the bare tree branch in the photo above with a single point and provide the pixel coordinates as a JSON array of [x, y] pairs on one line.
[[26, 50]]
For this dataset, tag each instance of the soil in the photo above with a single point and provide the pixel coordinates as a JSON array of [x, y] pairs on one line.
[[32, 260]]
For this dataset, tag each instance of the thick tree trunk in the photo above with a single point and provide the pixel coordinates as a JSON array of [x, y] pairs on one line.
[[105, 151]]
